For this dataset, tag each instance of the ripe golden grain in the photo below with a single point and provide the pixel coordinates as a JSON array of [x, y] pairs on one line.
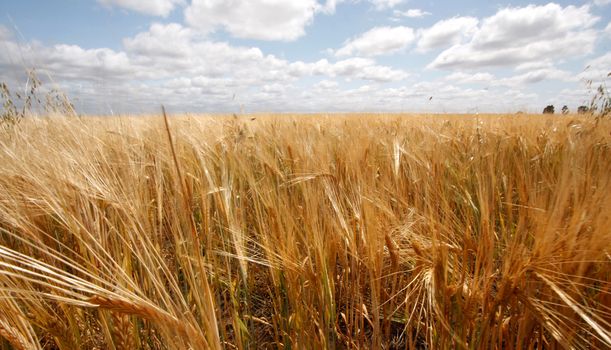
[[357, 231]]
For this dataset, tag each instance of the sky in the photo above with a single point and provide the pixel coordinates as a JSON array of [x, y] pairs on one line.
[[245, 56]]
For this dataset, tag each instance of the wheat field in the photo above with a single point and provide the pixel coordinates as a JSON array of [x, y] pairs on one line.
[[306, 232]]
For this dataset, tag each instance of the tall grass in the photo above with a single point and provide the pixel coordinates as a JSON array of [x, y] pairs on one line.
[[303, 232]]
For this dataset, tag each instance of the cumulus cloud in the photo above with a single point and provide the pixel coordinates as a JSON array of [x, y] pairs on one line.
[[350, 69], [171, 40], [518, 35], [184, 68], [597, 69], [326, 85], [378, 41], [329, 6], [527, 74], [65, 62], [357, 68], [602, 2], [468, 78], [255, 19], [515, 81], [275, 89], [5, 33], [535, 76], [450, 98], [523, 25], [106, 63], [411, 13], [530, 66], [381, 5], [447, 32], [179, 67], [608, 30], [149, 7], [197, 74]]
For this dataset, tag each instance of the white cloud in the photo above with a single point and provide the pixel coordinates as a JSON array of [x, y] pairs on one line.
[[411, 13], [255, 19], [529, 74], [183, 69], [381, 5], [82, 62], [597, 69], [608, 30], [573, 98], [150, 7], [445, 97], [602, 2], [378, 41], [329, 6], [5, 33], [447, 32], [535, 76], [173, 50], [518, 35], [536, 65], [520, 26], [355, 68], [65, 62], [274, 88], [467, 78], [171, 40], [326, 85], [520, 80]]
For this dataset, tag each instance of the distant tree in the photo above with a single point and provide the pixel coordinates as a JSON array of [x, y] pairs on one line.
[[565, 109], [548, 110], [583, 109]]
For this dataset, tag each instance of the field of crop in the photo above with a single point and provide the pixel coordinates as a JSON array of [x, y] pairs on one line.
[[306, 232]]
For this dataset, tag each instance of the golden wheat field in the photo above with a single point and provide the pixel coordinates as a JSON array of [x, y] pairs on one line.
[[306, 232]]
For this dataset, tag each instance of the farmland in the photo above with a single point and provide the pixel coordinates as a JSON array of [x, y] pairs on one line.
[[306, 232]]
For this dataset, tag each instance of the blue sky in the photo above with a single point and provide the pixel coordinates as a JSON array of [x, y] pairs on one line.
[[130, 56]]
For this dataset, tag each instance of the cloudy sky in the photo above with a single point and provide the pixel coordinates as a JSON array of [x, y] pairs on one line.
[[130, 56]]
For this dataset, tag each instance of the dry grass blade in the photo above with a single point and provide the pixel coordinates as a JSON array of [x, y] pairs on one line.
[[181, 329], [306, 232], [600, 326]]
